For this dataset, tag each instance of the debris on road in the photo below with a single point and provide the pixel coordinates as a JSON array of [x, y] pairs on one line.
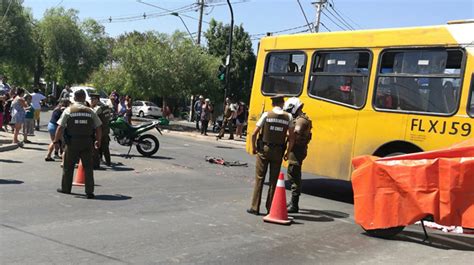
[[221, 161]]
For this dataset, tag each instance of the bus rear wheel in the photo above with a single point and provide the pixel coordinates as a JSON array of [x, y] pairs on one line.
[[385, 233]]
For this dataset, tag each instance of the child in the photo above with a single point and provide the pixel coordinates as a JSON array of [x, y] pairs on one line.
[[29, 126]]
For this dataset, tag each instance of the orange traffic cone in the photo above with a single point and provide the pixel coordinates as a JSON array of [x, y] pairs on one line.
[[278, 212], [80, 175]]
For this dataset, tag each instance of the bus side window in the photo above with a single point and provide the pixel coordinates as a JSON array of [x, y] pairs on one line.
[[423, 80], [340, 76], [282, 75]]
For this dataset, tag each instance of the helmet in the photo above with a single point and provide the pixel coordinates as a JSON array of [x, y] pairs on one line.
[[292, 105]]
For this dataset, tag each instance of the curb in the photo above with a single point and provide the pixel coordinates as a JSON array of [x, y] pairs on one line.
[[9, 147]]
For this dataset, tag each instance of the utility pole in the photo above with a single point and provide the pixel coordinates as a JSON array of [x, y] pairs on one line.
[[201, 11], [229, 58], [319, 8]]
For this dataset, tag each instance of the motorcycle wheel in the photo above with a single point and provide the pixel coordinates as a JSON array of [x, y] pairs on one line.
[[385, 233], [148, 145]]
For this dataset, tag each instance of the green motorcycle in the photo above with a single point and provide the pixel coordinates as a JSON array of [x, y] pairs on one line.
[[128, 135]]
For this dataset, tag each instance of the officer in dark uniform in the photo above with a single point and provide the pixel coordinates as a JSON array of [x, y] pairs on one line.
[[227, 121], [274, 128], [81, 126], [303, 127], [105, 114]]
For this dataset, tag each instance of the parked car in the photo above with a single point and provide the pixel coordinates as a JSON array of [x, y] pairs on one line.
[[103, 97], [146, 108]]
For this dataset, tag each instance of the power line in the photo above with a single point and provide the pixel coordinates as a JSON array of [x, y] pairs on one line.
[[304, 14], [340, 20], [340, 12], [333, 21], [169, 10], [60, 2], [322, 24], [278, 31], [8, 9], [129, 18]]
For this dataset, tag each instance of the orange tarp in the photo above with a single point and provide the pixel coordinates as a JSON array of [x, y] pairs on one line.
[[400, 190]]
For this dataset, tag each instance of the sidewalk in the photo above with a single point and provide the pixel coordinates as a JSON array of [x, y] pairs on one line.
[[176, 127], [6, 142], [186, 128]]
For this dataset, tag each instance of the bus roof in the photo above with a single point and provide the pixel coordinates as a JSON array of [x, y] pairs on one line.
[[456, 34]]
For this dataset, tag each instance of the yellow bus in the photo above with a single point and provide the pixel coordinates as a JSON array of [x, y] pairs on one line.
[[377, 92]]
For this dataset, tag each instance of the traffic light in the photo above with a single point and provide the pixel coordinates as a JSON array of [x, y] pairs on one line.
[[221, 72]]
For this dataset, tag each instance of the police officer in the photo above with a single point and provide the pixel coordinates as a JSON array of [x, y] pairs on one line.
[[105, 114], [229, 110], [274, 128], [80, 124], [303, 126]]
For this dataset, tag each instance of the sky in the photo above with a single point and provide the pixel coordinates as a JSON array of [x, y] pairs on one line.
[[261, 16]]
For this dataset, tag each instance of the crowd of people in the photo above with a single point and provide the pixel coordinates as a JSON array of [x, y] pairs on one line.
[[235, 116], [19, 110]]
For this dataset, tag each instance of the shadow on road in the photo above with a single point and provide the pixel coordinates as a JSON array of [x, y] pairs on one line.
[[440, 241], [333, 189], [10, 181], [225, 147], [10, 161], [34, 148], [105, 197], [38, 143], [318, 215], [149, 157]]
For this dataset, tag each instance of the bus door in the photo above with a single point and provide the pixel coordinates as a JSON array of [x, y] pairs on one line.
[[338, 86]]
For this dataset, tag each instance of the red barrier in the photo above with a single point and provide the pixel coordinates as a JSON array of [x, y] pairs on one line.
[[400, 190]]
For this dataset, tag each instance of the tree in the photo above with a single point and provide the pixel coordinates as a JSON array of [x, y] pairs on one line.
[[150, 65], [243, 58], [18, 49], [71, 50]]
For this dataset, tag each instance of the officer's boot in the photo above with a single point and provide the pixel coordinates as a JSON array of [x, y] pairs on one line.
[[293, 205]]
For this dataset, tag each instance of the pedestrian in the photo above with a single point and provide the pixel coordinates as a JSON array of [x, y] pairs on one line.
[[2, 110], [65, 93], [52, 126], [274, 129], [128, 109], [18, 114], [81, 126], [228, 120], [5, 85], [36, 100], [104, 112], [241, 119], [205, 115], [198, 109], [29, 125], [115, 100], [7, 109], [303, 126], [122, 107]]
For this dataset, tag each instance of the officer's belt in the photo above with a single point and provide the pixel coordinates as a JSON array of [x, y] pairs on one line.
[[274, 145]]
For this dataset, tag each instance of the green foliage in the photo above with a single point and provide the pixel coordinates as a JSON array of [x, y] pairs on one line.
[[18, 49], [71, 50], [243, 58], [149, 65]]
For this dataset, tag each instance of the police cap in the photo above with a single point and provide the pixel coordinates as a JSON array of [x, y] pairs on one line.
[[276, 99], [80, 94], [94, 95]]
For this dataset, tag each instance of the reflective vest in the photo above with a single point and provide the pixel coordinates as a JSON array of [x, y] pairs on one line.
[[80, 123], [275, 128], [304, 136], [105, 115]]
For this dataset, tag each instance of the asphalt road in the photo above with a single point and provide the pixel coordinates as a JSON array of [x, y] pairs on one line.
[[175, 208]]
